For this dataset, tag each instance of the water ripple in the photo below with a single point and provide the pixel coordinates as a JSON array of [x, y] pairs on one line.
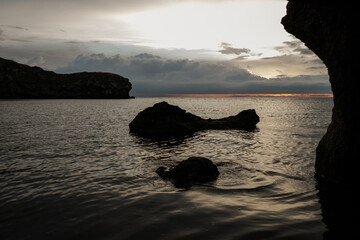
[[70, 169]]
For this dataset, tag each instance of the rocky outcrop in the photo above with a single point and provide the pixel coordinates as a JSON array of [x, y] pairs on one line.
[[330, 30], [194, 170], [164, 120], [21, 81]]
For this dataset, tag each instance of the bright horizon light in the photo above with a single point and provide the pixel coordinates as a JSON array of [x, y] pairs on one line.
[[320, 95]]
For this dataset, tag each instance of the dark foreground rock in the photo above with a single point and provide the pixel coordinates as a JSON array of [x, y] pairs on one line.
[[18, 81], [192, 171], [164, 120], [330, 30]]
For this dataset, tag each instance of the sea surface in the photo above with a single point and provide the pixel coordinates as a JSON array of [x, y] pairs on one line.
[[69, 169]]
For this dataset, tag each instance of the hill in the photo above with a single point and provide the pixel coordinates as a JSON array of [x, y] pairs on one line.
[[19, 81]]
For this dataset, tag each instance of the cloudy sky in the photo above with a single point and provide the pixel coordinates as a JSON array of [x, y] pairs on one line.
[[165, 46]]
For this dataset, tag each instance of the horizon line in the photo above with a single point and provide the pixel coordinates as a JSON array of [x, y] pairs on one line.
[[222, 95]]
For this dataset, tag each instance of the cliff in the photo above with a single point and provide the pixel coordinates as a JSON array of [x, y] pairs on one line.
[[330, 30], [18, 81]]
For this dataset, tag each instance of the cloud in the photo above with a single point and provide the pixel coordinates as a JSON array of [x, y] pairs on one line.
[[13, 27], [53, 53], [303, 51], [13, 33], [294, 59], [154, 75], [295, 46], [19, 40], [74, 42], [36, 61], [227, 49], [2, 35], [241, 53], [82, 6]]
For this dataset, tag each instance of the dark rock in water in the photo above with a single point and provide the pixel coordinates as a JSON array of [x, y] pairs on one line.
[[192, 171], [330, 30], [164, 120], [18, 81]]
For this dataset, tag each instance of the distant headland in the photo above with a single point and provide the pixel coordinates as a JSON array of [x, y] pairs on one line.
[[19, 81]]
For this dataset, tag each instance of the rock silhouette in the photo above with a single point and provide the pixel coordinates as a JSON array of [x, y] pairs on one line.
[[330, 30], [164, 120], [19, 81], [189, 172]]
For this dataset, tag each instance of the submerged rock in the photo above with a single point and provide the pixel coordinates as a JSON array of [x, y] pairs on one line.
[[192, 171], [19, 81], [164, 120]]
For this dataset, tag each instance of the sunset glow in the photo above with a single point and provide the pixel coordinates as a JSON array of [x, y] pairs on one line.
[[323, 95]]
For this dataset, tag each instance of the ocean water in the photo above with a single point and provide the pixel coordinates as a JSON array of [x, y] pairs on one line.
[[69, 169]]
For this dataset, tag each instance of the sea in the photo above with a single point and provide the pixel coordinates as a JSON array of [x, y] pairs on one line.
[[70, 169]]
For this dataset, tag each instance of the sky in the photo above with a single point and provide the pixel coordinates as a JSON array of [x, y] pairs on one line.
[[165, 46]]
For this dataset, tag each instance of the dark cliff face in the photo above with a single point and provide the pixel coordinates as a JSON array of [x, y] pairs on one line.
[[18, 81], [330, 29]]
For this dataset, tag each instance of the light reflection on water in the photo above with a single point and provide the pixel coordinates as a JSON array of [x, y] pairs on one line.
[[70, 169]]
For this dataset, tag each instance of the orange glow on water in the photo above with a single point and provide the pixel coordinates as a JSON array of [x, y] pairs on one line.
[[220, 95]]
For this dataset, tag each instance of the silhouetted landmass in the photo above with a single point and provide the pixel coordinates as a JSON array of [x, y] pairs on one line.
[[18, 81], [164, 120], [192, 171], [330, 30]]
